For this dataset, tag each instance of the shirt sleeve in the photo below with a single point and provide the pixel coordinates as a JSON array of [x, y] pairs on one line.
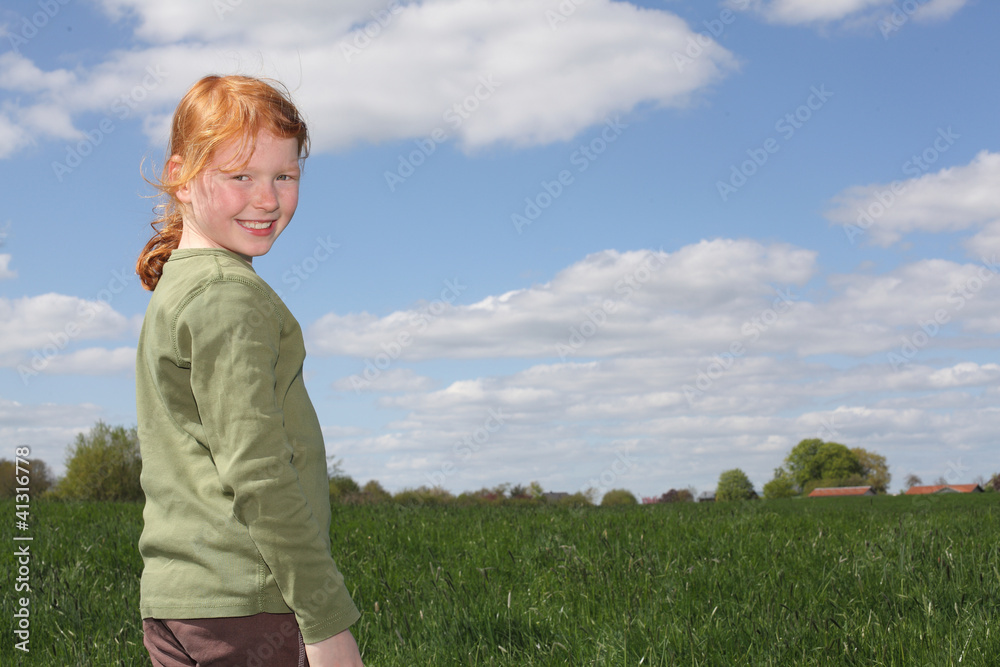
[[233, 332]]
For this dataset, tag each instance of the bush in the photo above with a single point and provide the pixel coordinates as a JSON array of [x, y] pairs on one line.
[[424, 496], [575, 500], [993, 484], [103, 465], [734, 485], [39, 478], [677, 496], [618, 498], [342, 487], [781, 486], [373, 492], [520, 492]]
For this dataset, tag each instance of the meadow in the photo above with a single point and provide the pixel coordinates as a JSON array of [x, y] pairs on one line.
[[848, 581]]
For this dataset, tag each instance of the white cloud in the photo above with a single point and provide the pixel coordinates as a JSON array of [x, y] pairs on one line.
[[567, 424], [46, 428], [702, 300], [12, 136], [939, 10], [986, 243], [93, 361], [807, 11], [953, 199], [6, 273], [388, 380], [50, 323], [19, 74], [517, 77], [660, 384], [698, 298], [797, 12]]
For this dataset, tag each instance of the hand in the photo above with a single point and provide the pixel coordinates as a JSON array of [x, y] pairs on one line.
[[339, 650]]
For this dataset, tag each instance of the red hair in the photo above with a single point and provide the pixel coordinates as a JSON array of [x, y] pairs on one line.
[[215, 111]]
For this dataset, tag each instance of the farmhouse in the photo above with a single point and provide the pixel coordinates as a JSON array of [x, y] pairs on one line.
[[837, 491], [944, 488], [707, 497]]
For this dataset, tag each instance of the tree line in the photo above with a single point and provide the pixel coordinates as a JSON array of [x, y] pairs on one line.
[[105, 464]]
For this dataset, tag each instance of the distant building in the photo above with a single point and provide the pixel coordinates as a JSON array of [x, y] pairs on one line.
[[837, 491], [707, 497], [554, 496], [944, 488]]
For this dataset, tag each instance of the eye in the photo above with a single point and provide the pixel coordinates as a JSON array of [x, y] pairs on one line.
[[286, 177], [241, 177]]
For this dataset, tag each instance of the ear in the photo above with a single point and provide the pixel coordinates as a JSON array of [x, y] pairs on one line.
[[183, 193]]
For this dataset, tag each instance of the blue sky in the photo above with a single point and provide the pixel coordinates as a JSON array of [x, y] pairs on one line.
[[588, 243]]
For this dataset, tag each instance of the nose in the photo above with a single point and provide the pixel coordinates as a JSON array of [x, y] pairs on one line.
[[266, 197]]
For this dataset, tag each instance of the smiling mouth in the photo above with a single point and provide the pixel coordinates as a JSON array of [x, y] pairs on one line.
[[255, 224]]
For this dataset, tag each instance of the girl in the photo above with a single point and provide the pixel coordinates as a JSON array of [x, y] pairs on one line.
[[236, 538]]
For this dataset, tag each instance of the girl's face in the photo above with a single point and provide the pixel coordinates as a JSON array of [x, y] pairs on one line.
[[243, 211]]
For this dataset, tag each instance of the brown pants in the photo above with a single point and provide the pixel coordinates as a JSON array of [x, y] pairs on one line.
[[262, 640]]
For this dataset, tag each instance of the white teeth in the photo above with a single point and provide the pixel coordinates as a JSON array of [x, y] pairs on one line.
[[254, 225]]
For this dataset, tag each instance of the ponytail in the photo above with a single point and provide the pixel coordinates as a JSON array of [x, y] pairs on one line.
[[165, 240]]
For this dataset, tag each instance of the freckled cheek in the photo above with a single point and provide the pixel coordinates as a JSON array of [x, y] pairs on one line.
[[290, 202]]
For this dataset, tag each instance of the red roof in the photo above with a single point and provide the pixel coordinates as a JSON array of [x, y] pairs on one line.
[[944, 488], [842, 491]]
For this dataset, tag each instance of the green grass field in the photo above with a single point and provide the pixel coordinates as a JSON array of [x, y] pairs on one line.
[[854, 581]]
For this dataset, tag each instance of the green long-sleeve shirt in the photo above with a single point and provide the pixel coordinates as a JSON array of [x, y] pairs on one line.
[[237, 514]]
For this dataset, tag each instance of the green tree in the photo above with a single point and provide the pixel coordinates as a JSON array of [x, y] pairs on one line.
[[342, 487], [104, 464], [618, 498], [874, 469], [813, 460], [782, 486], [993, 484], [374, 492], [39, 478], [734, 485], [676, 496], [519, 492]]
